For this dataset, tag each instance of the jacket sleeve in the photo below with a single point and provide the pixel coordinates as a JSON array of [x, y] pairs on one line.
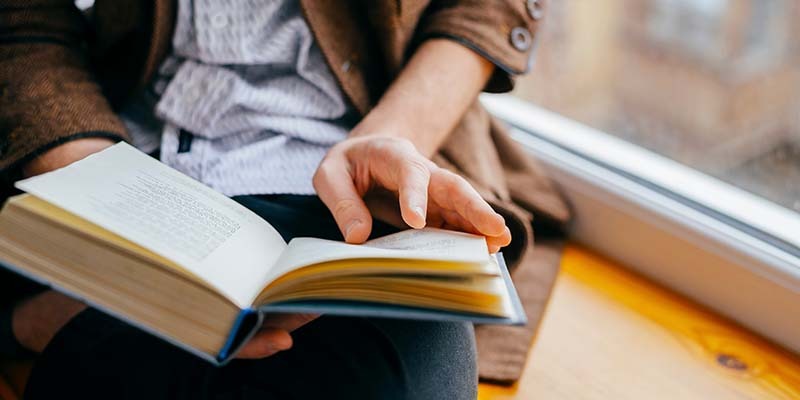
[[502, 31], [47, 94]]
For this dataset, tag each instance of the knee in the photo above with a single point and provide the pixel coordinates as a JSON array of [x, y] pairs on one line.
[[440, 360], [453, 344], [452, 372]]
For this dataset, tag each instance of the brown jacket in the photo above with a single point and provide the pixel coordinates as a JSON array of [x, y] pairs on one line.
[[63, 73]]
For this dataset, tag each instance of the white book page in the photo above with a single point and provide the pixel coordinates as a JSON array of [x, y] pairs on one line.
[[135, 196], [435, 244], [427, 244]]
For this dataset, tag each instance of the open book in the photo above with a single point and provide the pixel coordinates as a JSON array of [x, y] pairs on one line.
[[160, 250]]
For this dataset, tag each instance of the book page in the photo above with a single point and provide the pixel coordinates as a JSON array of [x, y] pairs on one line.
[[137, 197], [436, 243], [426, 244]]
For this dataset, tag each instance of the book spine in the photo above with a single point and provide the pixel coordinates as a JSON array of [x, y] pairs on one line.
[[247, 323]]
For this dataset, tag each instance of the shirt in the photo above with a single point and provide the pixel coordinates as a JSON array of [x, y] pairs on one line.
[[245, 103]]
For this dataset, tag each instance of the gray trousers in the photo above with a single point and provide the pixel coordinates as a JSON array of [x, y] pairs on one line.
[[96, 356]]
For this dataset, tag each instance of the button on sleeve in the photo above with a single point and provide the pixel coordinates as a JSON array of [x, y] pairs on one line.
[[535, 9], [502, 31], [521, 38]]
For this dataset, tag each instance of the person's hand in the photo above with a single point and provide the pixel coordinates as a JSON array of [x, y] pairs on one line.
[[427, 195], [274, 335], [63, 155], [36, 320]]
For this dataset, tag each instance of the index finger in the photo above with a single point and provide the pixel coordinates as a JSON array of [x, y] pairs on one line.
[[413, 192]]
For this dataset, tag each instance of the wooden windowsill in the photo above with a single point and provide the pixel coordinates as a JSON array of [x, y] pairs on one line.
[[611, 334]]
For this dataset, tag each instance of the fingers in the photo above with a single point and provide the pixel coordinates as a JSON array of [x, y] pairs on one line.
[[454, 221], [454, 193], [426, 194], [266, 343], [399, 167], [495, 243], [334, 185], [274, 335], [413, 192], [448, 219]]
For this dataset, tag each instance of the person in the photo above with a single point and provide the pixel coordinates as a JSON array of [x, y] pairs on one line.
[[321, 118]]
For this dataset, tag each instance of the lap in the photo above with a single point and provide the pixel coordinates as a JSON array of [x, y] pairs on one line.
[[96, 356]]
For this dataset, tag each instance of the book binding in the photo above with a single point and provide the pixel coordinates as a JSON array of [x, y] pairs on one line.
[[247, 323]]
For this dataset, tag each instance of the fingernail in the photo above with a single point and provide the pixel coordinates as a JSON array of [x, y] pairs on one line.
[[350, 228], [418, 210]]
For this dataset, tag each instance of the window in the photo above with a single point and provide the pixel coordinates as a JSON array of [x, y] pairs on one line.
[[673, 127], [712, 84]]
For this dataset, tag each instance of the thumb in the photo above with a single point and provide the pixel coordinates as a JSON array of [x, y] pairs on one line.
[[265, 343], [335, 188]]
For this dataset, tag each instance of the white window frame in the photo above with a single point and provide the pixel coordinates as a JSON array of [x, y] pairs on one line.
[[721, 246]]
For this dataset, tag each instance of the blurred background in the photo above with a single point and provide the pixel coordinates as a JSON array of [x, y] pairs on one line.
[[713, 84]]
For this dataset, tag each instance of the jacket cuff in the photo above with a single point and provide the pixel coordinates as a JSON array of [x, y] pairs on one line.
[[503, 32]]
